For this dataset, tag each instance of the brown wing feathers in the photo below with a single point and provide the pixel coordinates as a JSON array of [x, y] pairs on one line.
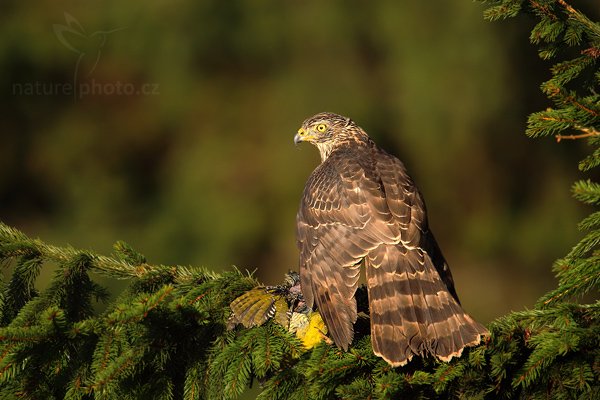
[[431, 320], [360, 204]]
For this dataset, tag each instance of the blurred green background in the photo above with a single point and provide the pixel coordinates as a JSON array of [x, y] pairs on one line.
[[176, 134]]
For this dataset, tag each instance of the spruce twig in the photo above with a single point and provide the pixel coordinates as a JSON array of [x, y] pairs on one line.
[[588, 132]]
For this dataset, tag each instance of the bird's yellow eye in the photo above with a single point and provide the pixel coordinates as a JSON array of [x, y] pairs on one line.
[[321, 127]]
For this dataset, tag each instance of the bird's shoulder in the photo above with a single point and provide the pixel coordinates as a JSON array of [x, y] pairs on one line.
[[347, 161]]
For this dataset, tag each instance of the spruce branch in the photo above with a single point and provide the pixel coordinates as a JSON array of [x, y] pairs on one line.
[[587, 132], [592, 27], [15, 243]]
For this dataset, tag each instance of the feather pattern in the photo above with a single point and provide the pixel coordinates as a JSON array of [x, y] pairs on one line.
[[360, 207]]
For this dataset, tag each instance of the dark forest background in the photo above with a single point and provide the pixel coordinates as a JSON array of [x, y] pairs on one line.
[[176, 135]]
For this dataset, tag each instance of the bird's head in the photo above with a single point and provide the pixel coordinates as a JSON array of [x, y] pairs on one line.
[[325, 130]]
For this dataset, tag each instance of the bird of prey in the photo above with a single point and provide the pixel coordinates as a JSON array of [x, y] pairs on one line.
[[360, 207]]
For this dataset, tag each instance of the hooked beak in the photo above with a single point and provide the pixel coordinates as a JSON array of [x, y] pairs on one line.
[[301, 136]]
